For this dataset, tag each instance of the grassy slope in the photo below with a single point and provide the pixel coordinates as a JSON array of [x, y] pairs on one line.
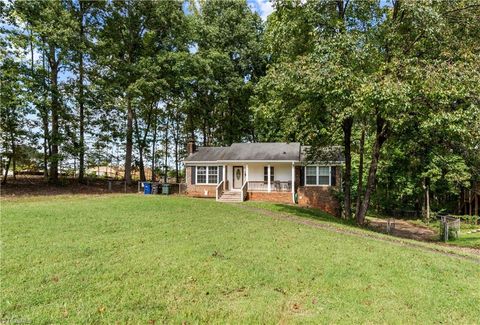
[[118, 258]]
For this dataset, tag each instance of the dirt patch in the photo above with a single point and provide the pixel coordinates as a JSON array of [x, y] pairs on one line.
[[457, 252], [38, 186], [404, 229]]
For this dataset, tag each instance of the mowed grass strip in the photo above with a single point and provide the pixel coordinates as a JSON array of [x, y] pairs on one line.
[[143, 259]]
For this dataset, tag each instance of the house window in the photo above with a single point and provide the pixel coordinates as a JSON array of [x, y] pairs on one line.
[[317, 175], [323, 175], [311, 175], [265, 174], [212, 174], [201, 174], [207, 175]]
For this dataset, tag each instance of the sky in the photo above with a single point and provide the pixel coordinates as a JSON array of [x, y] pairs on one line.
[[262, 7]]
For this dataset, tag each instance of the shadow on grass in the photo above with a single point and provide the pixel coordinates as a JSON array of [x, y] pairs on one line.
[[310, 213]]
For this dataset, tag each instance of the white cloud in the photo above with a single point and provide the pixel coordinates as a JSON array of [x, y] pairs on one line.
[[265, 8]]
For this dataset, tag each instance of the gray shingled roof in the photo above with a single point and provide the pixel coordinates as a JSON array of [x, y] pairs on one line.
[[264, 151], [273, 151], [208, 154]]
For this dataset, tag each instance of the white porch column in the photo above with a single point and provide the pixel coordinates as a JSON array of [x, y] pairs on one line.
[[224, 177], [246, 173], [293, 182], [268, 179]]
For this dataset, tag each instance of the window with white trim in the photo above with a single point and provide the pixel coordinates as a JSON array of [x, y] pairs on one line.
[[265, 174], [323, 175], [207, 175], [201, 175], [212, 174], [311, 175], [317, 175]]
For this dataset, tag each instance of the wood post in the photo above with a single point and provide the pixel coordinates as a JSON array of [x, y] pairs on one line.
[[224, 177], [268, 179], [293, 182]]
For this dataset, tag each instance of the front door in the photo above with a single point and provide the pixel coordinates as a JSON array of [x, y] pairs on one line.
[[237, 177]]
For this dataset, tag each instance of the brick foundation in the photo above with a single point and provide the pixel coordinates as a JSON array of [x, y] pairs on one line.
[[201, 190], [279, 197], [198, 190], [320, 197]]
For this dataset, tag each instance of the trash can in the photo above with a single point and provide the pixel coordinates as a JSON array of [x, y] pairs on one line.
[[147, 188], [166, 189]]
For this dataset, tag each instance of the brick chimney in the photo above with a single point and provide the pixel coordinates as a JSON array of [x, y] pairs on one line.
[[191, 147]]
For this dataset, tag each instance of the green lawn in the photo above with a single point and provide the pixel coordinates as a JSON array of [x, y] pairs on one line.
[[146, 259]]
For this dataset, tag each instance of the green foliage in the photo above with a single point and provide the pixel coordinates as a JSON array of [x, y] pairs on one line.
[[228, 62], [108, 77], [411, 67]]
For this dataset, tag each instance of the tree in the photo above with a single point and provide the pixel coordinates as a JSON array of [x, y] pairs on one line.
[[133, 33], [229, 61], [13, 111], [362, 75], [52, 25]]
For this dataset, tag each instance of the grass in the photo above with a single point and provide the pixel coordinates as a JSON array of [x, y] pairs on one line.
[[153, 259]]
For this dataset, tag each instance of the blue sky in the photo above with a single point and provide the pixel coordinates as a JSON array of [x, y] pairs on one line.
[[263, 7]]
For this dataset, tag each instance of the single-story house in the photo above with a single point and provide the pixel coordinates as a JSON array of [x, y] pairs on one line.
[[278, 172]]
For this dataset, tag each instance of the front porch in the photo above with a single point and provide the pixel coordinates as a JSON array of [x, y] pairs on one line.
[[250, 180]]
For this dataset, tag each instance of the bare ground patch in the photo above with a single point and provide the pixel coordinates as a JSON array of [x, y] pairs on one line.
[[38, 186]]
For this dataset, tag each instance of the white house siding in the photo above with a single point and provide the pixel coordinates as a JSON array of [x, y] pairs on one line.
[[282, 171]]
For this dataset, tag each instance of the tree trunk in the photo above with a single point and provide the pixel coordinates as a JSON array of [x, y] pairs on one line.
[[141, 142], [166, 147], [46, 146], [347, 139], [81, 102], [55, 139], [469, 196], [129, 143], [14, 163], [44, 115], [176, 139], [140, 145], [381, 137], [475, 189], [4, 180], [360, 174], [426, 199], [142, 166], [154, 143]]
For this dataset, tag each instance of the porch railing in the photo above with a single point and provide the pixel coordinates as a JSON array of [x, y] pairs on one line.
[[275, 186], [219, 190], [244, 191]]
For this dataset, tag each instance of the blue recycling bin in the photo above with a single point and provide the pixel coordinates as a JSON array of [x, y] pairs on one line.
[[147, 188]]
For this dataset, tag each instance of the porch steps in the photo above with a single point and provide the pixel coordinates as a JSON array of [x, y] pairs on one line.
[[231, 196]]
